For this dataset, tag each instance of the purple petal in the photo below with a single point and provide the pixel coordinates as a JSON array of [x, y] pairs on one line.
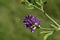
[[29, 21], [32, 30], [37, 21], [33, 19]]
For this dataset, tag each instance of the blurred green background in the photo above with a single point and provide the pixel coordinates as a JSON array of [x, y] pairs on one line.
[[11, 16]]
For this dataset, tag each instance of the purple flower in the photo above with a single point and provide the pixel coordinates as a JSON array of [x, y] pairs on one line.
[[31, 22]]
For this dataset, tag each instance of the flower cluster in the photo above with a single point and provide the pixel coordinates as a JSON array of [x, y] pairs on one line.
[[31, 22]]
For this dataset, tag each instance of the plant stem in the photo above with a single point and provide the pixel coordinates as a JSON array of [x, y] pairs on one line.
[[47, 28], [47, 35], [52, 20], [41, 9], [48, 16], [54, 26], [50, 29]]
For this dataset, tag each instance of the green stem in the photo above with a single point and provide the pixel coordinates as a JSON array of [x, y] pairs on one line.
[[54, 26], [47, 28], [44, 32], [49, 17], [27, 1], [32, 4], [52, 20], [38, 3], [47, 35], [45, 13]]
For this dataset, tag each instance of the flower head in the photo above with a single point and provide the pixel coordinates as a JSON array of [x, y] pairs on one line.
[[31, 22]]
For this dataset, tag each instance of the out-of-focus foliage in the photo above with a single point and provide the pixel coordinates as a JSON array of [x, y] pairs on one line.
[[11, 16]]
